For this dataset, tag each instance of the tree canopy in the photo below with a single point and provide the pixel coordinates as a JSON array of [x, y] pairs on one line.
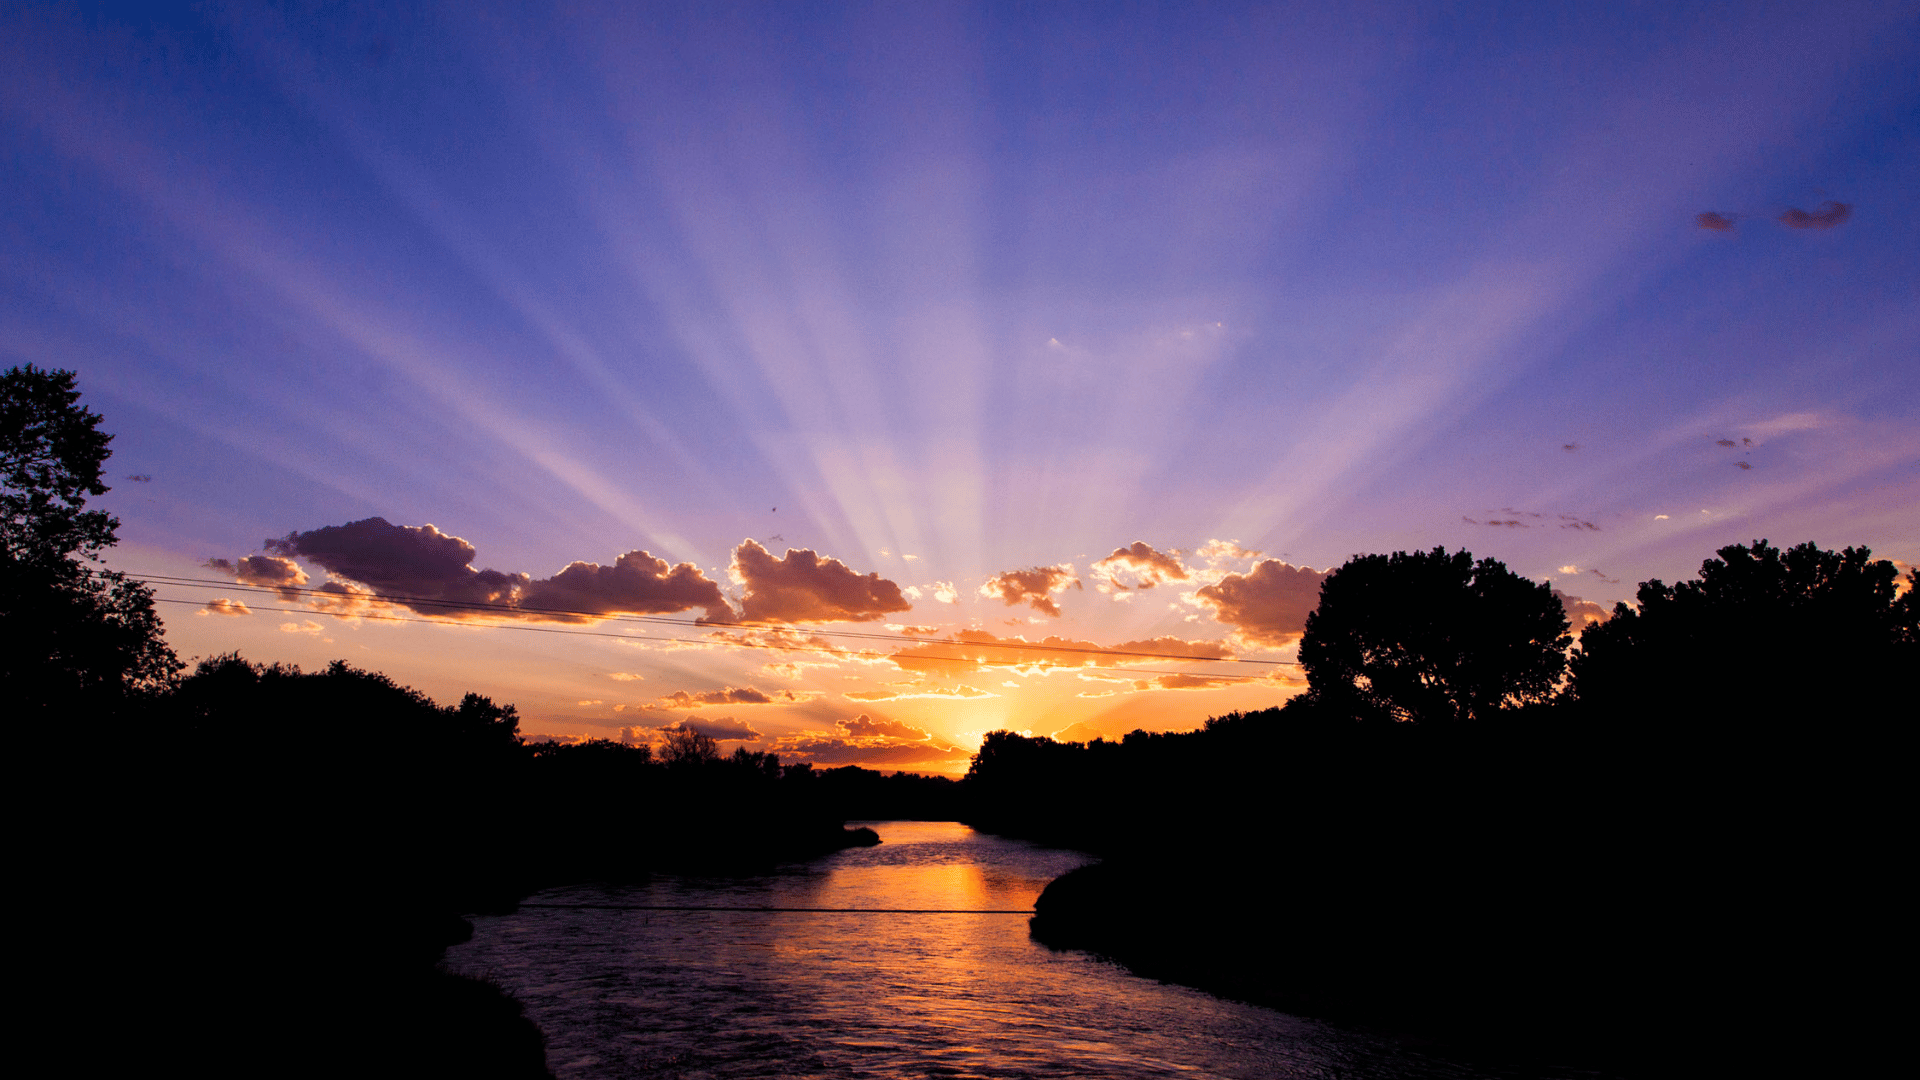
[[1762, 630], [1433, 637], [77, 633]]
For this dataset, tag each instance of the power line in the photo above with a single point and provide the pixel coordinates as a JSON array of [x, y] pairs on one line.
[[455, 606]]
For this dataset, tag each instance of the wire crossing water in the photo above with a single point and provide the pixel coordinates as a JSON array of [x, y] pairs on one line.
[[768, 976]]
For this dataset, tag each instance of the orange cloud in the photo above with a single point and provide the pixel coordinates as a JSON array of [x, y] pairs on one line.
[[1268, 606], [972, 650], [866, 741], [1034, 586], [721, 728], [866, 727], [270, 571], [802, 587], [955, 693], [1147, 566], [731, 695], [1184, 682], [220, 605], [1216, 550], [1580, 613]]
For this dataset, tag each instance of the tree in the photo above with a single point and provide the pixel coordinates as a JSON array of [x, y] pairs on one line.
[[1762, 633], [686, 747], [1433, 638], [78, 633]]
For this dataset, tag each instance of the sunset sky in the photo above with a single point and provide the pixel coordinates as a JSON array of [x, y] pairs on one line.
[[914, 333]]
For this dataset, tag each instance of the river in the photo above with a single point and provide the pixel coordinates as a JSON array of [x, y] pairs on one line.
[[907, 965]]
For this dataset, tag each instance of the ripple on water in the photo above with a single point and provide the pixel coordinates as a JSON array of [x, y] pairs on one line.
[[623, 992]]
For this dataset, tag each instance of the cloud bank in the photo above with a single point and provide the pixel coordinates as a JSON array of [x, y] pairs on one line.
[[426, 570]]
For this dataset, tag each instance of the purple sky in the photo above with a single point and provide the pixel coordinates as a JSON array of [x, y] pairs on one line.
[[944, 294]]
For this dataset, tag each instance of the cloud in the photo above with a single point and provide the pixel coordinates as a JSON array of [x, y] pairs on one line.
[[431, 572], [426, 568], [790, 641], [1508, 523], [944, 592], [1570, 447], [1216, 550], [830, 751], [954, 693], [220, 605], [1147, 567], [972, 650], [1725, 442], [721, 728], [1033, 586], [1830, 214], [1267, 606], [864, 740], [1580, 613], [1184, 682], [270, 571], [307, 626], [547, 737], [732, 695], [637, 583], [866, 727], [1741, 465], [624, 676], [140, 478], [802, 587], [1717, 222]]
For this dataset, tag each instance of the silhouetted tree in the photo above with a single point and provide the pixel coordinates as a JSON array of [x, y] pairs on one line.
[[1433, 638], [77, 634], [687, 747], [1763, 632]]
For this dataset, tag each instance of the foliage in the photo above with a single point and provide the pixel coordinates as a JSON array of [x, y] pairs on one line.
[[1761, 631], [687, 747], [79, 634], [1433, 638]]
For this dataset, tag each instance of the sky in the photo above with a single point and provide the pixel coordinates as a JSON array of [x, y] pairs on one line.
[[848, 381]]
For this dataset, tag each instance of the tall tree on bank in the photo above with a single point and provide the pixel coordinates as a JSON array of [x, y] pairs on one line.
[[1433, 638], [78, 635]]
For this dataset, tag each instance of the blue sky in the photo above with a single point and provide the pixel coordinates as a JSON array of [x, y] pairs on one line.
[[943, 293]]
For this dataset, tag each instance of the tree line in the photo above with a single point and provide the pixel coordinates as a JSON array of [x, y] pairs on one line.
[[1676, 837], [1669, 849]]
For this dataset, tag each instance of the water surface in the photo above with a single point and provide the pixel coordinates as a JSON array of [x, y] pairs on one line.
[[624, 986]]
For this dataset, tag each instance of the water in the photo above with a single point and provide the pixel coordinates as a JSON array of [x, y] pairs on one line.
[[624, 991]]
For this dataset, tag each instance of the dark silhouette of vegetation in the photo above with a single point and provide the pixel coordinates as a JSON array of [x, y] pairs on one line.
[[1685, 859], [284, 856], [1431, 637], [79, 636], [1680, 862]]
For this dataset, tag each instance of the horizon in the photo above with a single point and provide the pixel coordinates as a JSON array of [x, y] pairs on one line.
[[934, 334]]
